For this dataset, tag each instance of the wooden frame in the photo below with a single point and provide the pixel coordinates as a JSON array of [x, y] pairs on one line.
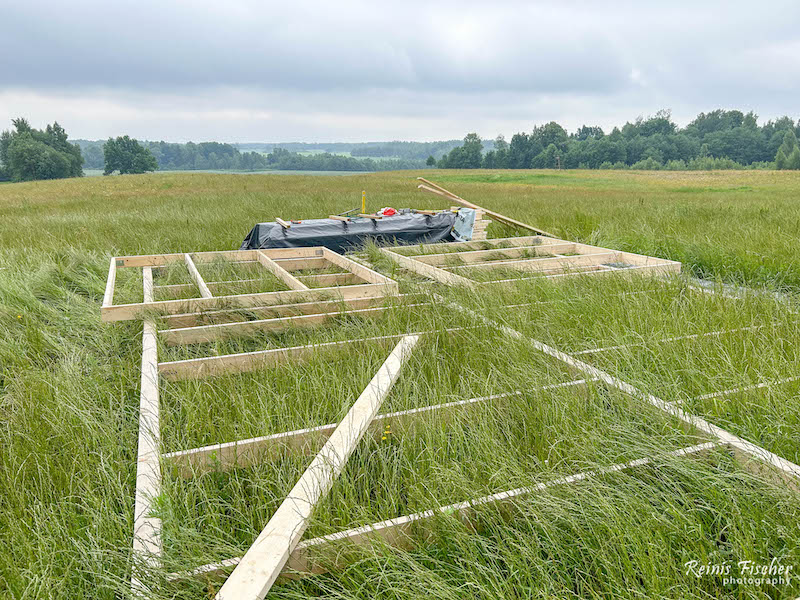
[[564, 259], [277, 261]]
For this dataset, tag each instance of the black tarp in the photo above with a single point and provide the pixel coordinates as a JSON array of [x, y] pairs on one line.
[[341, 236]]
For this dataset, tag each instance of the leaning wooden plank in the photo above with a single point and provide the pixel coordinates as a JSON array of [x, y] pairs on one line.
[[263, 562], [245, 453], [784, 467], [198, 279], [361, 271], [279, 310], [221, 331], [280, 272], [502, 218], [473, 256], [108, 297], [428, 271], [146, 527], [125, 312], [312, 557]]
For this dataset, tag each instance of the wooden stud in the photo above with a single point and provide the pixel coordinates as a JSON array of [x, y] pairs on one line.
[[147, 528], [280, 272], [428, 271], [246, 453], [262, 563], [279, 310], [339, 218], [312, 557], [474, 256], [331, 279], [282, 223], [108, 297], [301, 264], [204, 291], [365, 273]]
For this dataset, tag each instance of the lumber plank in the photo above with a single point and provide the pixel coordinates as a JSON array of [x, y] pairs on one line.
[[282, 223], [249, 452], [472, 256], [125, 312], [262, 563], [428, 271], [221, 331], [280, 272], [542, 264], [331, 279], [198, 279], [432, 187], [108, 297], [318, 555], [528, 240], [365, 273], [301, 264], [280, 310], [147, 545], [366, 216], [245, 362], [339, 218]]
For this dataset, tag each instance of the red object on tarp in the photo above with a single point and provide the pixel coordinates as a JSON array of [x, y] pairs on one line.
[[388, 212]]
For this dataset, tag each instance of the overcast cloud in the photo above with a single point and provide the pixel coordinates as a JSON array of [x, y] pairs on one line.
[[358, 71]]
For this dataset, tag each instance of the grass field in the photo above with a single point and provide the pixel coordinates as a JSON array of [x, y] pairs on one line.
[[69, 393]]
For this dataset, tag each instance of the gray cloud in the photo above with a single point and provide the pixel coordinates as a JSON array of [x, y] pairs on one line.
[[367, 70]]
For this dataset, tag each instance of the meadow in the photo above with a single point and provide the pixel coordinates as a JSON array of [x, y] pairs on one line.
[[69, 392]]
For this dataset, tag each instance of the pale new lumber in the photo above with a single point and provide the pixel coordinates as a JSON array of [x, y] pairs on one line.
[[747, 388], [784, 467], [245, 453], [147, 546], [668, 339], [263, 562], [282, 223], [543, 264], [198, 279], [301, 264], [220, 331], [108, 297], [339, 218], [331, 279], [280, 272], [366, 216], [480, 255], [432, 187], [124, 312], [365, 273], [160, 260], [279, 310], [428, 271], [644, 270], [314, 556], [529, 240]]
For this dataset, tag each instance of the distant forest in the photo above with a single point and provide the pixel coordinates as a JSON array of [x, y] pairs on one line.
[[721, 139]]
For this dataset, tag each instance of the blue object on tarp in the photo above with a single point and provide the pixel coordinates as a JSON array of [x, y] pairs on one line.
[[465, 221], [343, 236]]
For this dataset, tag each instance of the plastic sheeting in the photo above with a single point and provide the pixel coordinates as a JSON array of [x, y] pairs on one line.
[[342, 236]]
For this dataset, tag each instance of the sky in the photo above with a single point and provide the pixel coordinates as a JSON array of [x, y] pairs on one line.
[[252, 71]]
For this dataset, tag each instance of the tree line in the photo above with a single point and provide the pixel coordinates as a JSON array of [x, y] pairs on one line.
[[720, 139]]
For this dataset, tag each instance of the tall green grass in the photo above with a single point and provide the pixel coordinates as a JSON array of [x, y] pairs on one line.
[[69, 396]]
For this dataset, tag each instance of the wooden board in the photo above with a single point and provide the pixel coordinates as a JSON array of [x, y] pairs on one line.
[[478, 256], [427, 270], [108, 297], [147, 528], [245, 453], [204, 291], [263, 562], [361, 271]]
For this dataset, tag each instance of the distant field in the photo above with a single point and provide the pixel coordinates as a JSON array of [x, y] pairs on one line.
[[69, 392]]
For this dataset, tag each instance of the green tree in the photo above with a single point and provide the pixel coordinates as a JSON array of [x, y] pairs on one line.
[[28, 154], [788, 155], [127, 156], [431, 162]]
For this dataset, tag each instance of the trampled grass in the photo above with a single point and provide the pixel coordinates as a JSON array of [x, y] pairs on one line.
[[69, 392]]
